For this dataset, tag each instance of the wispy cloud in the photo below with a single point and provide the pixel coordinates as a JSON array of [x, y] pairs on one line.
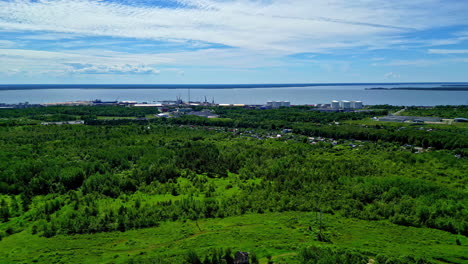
[[125, 36], [462, 33], [392, 75], [7, 44], [421, 62], [111, 69], [48, 36], [448, 51], [88, 61], [282, 26]]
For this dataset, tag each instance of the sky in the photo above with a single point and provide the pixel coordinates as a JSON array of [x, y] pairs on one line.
[[232, 41]]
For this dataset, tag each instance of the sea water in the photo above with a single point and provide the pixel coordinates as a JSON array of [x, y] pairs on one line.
[[316, 94]]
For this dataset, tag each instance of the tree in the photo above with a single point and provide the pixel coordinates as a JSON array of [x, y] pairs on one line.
[[192, 258], [4, 211], [228, 256]]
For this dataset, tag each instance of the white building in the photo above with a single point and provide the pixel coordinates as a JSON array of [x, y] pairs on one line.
[[147, 105], [335, 104]]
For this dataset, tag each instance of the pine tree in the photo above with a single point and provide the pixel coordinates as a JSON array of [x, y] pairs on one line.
[[4, 211]]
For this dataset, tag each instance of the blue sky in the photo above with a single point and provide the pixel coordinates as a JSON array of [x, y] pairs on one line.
[[233, 41]]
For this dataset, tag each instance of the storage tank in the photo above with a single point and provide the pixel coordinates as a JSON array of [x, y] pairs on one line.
[[335, 104], [345, 104], [274, 104], [356, 104]]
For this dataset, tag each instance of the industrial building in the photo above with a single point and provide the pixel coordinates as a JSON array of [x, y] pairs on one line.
[[147, 105], [278, 104]]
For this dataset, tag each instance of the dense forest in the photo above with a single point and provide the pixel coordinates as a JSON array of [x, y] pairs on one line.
[[65, 113], [313, 123], [116, 175], [439, 111]]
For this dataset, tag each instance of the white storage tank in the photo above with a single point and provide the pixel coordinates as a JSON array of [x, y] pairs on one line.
[[274, 104], [335, 104], [356, 104], [345, 104]]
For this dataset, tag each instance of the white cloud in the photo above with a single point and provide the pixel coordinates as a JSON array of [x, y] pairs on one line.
[[448, 51], [111, 69], [7, 44], [415, 62], [421, 62], [87, 61], [101, 60], [275, 25], [462, 33], [260, 33], [11, 72], [392, 75], [49, 36]]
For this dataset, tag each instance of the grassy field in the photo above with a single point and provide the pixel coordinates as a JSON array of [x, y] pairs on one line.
[[280, 235]]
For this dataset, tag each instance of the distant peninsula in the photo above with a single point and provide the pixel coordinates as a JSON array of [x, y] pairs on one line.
[[441, 88]]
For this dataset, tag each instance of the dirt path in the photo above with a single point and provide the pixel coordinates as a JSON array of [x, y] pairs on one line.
[[399, 112]]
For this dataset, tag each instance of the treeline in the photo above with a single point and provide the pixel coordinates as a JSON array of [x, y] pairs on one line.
[[440, 138], [217, 256], [287, 116], [443, 111], [66, 113], [436, 138], [403, 202], [318, 254], [303, 120], [309, 255], [390, 108]]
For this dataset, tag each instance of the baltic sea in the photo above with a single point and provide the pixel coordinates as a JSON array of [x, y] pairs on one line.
[[314, 94]]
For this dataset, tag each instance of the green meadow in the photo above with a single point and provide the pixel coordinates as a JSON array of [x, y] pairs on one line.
[[279, 235]]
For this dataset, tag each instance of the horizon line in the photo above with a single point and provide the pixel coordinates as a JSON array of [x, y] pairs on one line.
[[233, 84]]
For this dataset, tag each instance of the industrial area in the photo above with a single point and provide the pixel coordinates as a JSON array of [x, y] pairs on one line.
[[178, 108]]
